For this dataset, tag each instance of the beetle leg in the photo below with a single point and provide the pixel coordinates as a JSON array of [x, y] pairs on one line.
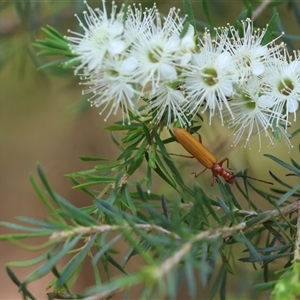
[[198, 174], [227, 161], [199, 137], [181, 155], [214, 178]]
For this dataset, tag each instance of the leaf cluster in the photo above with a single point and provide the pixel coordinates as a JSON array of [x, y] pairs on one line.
[[188, 239]]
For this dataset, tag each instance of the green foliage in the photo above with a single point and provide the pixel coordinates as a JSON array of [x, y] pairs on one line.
[[54, 44], [189, 237]]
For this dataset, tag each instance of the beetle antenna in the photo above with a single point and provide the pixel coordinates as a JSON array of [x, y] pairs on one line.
[[246, 176]]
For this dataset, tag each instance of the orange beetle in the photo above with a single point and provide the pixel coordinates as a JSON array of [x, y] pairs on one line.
[[207, 159]]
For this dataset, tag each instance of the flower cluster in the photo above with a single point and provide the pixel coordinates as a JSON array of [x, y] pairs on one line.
[[139, 61]]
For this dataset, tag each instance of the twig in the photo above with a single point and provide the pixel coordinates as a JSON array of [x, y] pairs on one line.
[[105, 228], [260, 9], [104, 295], [297, 243], [227, 232], [165, 207], [190, 206], [186, 247]]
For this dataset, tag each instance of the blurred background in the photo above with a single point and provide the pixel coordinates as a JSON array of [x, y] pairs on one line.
[[43, 119]]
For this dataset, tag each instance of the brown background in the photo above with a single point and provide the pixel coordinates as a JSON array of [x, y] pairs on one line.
[[39, 123]]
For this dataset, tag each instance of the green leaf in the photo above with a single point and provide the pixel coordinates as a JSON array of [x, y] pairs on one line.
[[297, 131], [53, 33], [114, 285], [199, 194], [288, 286], [115, 141], [254, 254], [211, 209], [169, 163], [72, 270], [129, 148], [295, 164], [229, 200], [53, 52], [82, 174], [45, 182], [270, 30], [273, 248], [283, 164], [218, 282], [105, 248], [45, 201], [127, 200], [225, 261], [61, 45], [53, 64], [76, 183], [148, 196], [257, 219], [188, 10], [132, 143], [157, 215], [244, 14], [152, 160], [76, 214], [275, 233], [163, 173], [206, 12], [52, 262], [41, 223], [135, 165], [147, 134], [265, 286], [91, 158], [265, 259], [141, 151], [174, 276], [17, 236], [280, 182], [288, 194], [223, 287], [41, 231], [106, 167], [132, 136], [114, 263], [21, 287], [115, 213], [28, 263], [190, 279], [223, 205], [117, 127], [149, 179], [100, 180], [142, 195]]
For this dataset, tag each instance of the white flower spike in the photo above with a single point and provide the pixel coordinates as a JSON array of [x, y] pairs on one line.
[[253, 116], [155, 43], [133, 53], [248, 53], [168, 102], [207, 81], [103, 35], [282, 85], [114, 84]]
